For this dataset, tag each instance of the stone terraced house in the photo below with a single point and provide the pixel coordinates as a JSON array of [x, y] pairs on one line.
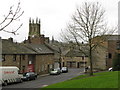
[[31, 55], [27, 57]]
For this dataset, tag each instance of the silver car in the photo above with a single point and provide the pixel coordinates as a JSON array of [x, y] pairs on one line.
[[64, 69], [55, 71]]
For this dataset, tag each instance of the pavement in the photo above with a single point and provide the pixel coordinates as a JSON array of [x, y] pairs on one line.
[[44, 75]]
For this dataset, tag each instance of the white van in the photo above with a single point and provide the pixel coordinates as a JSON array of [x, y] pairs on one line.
[[9, 74]]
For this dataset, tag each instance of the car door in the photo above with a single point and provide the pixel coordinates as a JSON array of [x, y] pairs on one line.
[[32, 76]]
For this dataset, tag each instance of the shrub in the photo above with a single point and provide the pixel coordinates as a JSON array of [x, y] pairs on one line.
[[116, 62]]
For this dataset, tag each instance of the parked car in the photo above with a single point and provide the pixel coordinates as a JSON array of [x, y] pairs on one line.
[[64, 69], [29, 76], [55, 71], [110, 69]]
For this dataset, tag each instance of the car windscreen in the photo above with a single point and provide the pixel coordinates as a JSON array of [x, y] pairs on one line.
[[26, 74], [64, 68]]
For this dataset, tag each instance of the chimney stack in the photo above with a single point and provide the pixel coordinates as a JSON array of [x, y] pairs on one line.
[[10, 39]]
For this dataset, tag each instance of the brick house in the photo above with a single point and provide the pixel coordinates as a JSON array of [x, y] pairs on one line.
[[67, 54], [113, 47], [15, 55], [55, 47], [23, 56], [44, 57], [104, 54], [74, 59]]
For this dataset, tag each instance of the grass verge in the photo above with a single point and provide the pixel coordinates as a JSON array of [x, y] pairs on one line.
[[98, 80]]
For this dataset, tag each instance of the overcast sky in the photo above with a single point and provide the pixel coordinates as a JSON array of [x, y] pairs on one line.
[[54, 15]]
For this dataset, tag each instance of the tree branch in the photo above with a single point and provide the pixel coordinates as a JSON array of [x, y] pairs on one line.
[[10, 18]]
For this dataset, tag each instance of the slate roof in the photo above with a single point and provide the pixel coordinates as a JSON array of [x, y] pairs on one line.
[[67, 51], [74, 53], [114, 37], [9, 47], [55, 48], [109, 37], [39, 48]]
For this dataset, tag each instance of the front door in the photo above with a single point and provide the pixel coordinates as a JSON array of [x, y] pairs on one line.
[[31, 62], [78, 65]]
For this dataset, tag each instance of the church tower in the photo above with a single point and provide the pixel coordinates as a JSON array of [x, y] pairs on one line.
[[35, 35], [34, 28]]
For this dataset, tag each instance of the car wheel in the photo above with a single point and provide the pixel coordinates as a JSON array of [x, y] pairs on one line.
[[34, 78], [5, 83], [21, 80], [28, 79]]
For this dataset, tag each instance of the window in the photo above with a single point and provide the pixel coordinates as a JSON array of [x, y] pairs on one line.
[[118, 45], [83, 58], [42, 68], [63, 64], [3, 57], [45, 67], [109, 55], [23, 69], [23, 57], [14, 57]]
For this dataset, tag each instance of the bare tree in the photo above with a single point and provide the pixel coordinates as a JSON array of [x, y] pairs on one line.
[[10, 18], [87, 23]]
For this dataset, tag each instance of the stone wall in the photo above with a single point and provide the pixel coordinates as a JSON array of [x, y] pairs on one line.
[[42, 63]]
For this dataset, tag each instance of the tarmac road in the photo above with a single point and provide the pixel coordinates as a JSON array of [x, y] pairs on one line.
[[43, 81]]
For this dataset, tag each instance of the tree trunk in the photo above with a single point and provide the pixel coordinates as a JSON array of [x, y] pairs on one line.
[[90, 58]]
